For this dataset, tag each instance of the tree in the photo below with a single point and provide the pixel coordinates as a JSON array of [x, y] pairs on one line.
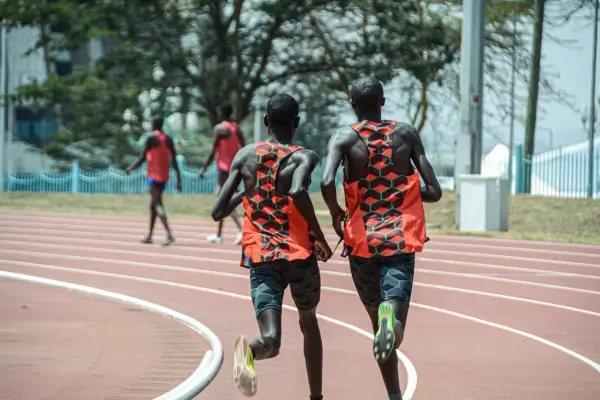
[[221, 50]]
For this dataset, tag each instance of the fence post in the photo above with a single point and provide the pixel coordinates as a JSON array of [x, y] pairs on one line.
[[518, 168], [75, 177]]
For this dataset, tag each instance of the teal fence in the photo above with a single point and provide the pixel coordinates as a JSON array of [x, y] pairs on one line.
[[559, 173], [115, 181]]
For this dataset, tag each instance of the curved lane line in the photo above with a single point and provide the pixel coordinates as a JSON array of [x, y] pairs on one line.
[[185, 257], [420, 270], [105, 226], [411, 372], [538, 339], [325, 272], [211, 362], [424, 271], [199, 223]]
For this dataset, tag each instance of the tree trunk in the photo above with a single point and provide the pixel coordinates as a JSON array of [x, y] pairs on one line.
[[534, 85]]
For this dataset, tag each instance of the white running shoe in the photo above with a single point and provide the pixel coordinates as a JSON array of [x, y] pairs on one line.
[[215, 239], [238, 239], [244, 374]]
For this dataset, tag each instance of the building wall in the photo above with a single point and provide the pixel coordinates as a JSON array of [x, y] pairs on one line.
[[35, 127]]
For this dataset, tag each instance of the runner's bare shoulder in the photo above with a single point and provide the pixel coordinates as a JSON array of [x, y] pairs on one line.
[[407, 133], [221, 131]]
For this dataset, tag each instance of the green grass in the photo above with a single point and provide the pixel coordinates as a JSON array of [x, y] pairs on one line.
[[531, 217]]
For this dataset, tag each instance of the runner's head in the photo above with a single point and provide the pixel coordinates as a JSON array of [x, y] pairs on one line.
[[282, 114], [157, 123], [367, 95], [224, 112]]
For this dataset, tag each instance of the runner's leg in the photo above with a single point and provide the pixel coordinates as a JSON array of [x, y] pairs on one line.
[[153, 197], [222, 177], [160, 211], [266, 288], [305, 285], [366, 276]]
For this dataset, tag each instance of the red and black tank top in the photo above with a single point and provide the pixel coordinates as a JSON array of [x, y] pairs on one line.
[[273, 227], [384, 209], [158, 157]]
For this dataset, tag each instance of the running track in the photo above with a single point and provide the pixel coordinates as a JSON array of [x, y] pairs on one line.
[[491, 319]]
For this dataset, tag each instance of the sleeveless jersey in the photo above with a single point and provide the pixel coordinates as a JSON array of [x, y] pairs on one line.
[[158, 158], [228, 148], [384, 209], [273, 227]]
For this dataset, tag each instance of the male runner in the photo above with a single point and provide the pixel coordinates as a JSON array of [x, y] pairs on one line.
[[227, 141], [281, 233], [386, 220], [159, 152]]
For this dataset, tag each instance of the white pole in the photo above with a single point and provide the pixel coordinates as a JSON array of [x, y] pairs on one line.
[[512, 109], [257, 123], [592, 127], [3, 110], [468, 145]]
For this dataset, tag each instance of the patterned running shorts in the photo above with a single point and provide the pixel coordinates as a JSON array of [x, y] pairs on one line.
[[268, 281], [381, 278]]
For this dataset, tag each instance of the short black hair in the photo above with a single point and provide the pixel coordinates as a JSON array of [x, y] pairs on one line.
[[226, 109], [282, 109], [157, 123], [366, 92]]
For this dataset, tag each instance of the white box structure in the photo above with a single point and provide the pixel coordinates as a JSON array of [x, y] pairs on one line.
[[483, 203]]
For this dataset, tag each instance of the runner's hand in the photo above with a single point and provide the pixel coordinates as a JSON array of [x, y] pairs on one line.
[[179, 187], [337, 219], [127, 171], [202, 173], [322, 250]]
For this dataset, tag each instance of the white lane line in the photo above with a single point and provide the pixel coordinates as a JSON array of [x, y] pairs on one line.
[[411, 372], [527, 335], [145, 265], [205, 224], [211, 362], [238, 252], [106, 226], [134, 241], [236, 263]]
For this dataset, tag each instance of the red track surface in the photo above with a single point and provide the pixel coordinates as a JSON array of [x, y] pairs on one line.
[[455, 357]]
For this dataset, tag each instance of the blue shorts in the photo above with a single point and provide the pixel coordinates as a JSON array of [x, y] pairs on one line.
[[155, 182], [224, 173]]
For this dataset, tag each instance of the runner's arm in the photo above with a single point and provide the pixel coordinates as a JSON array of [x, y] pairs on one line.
[[335, 152], [174, 162], [306, 161], [432, 191], [140, 160], [228, 200]]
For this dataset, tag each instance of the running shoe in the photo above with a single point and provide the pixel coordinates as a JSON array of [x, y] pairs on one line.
[[244, 374], [146, 240], [238, 239], [170, 239], [214, 239], [383, 343]]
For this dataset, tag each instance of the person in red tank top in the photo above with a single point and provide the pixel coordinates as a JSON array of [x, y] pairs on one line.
[[159, 154], [228, 139], [385, 220], [281, 237]]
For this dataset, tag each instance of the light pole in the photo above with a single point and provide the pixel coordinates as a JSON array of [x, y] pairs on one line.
[[590, 182], [511, 142], [3, 65]]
